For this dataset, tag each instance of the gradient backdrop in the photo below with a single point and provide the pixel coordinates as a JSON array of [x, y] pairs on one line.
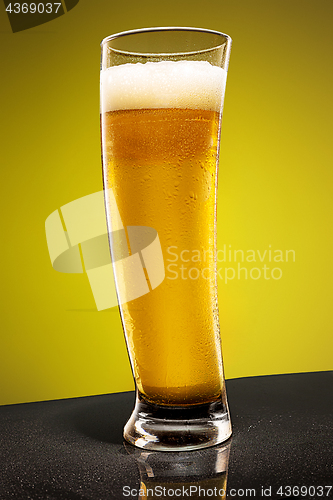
[[275, 188]]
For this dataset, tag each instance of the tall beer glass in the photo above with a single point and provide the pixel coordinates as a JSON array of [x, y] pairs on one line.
[[162, 93]]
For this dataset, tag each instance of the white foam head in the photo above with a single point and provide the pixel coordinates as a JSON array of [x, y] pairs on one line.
[[165, 84]]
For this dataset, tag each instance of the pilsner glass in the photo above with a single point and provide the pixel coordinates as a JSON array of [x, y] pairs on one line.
[[162, 92]]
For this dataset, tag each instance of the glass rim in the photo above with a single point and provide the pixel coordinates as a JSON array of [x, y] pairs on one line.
[[165, 28]]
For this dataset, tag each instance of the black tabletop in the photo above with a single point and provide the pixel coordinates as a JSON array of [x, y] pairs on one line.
[[282, 447]]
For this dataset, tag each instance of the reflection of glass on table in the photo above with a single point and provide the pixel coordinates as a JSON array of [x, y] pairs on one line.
[[196, 474], [162, 93]]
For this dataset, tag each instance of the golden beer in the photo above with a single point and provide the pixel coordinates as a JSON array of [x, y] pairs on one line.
[[161, 165], [162, 92]]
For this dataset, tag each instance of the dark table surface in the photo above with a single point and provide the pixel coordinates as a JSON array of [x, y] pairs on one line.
[[282, 447]]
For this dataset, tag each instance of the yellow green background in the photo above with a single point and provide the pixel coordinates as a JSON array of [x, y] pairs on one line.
[[275, 188]]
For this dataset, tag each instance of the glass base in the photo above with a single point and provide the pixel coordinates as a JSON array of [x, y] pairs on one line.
[[167, 428]]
